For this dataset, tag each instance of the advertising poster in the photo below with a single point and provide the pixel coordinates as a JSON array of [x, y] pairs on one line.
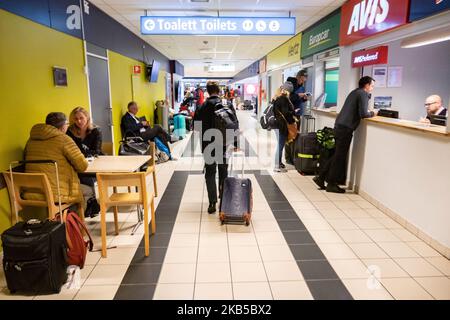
[[380, 76], [395, 77]]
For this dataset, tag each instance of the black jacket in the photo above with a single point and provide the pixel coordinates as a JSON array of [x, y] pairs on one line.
[[284, 112], [91, 145], [205, 114], [356, 107], [129, 126]]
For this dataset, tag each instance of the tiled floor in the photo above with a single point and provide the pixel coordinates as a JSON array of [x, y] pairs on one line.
[[302, 243]]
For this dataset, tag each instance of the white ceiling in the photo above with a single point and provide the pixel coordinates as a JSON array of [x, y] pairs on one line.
[[239, 51]]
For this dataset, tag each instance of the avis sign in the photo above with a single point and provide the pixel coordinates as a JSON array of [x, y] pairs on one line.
[[370, 57], [364, 18]]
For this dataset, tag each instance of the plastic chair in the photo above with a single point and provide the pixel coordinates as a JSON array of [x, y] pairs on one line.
[[141, 197]]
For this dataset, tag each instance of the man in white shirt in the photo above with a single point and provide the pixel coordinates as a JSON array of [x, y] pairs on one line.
[[433, 104]]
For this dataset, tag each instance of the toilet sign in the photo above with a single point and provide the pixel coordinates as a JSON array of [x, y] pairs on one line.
[[364, 18], [152, 25]]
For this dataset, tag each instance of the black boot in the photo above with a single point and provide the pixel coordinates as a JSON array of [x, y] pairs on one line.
[[333, 187], [319, 182], [212, 207]]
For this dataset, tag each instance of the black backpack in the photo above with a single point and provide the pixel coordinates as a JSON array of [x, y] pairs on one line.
[[225, 121], [268, 120]]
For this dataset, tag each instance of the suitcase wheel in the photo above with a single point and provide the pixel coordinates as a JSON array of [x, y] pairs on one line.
[[247, 223], [222, 222]]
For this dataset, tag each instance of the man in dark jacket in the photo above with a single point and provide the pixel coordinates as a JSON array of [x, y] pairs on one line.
[[355, 108], [131, 125], [214, 151]]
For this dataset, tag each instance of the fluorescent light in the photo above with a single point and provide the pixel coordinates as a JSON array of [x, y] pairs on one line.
[[209, 51], [221, 68], [430, 37]]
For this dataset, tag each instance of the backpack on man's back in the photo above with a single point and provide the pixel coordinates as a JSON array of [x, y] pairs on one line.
[[226, 122]]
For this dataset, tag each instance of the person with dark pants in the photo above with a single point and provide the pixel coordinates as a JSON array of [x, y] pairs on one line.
[[355, 108], [205, 117], [132, 125]]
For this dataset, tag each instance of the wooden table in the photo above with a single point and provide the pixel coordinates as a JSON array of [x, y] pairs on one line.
[[116, 164]]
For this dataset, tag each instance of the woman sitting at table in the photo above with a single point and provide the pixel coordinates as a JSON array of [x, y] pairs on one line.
[[88, 138], [86, 135]]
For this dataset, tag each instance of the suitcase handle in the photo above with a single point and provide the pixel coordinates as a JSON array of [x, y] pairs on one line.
[[33, 161], [232, 161]]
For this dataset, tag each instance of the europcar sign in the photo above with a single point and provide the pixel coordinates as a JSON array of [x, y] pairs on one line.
[[217, 25], [364, 18]]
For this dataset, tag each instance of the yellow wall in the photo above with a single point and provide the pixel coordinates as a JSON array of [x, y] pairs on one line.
[[126, 87], [27, 94], [287, 53]]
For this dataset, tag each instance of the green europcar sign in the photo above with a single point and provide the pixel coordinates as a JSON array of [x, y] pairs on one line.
[[322, 37]]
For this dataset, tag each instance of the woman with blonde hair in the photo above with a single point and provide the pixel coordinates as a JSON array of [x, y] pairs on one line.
[[86, 135]]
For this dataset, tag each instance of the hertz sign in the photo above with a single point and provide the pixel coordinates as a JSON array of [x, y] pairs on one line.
[[362, 19]]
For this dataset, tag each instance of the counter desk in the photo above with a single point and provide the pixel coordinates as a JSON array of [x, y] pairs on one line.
[[403, 168]]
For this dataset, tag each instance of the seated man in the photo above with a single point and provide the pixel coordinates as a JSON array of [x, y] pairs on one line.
[[133, 126], [433, 104], [49, 142]]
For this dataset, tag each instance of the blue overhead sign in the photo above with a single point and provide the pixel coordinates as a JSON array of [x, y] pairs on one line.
[[423, 8], [217, 25]]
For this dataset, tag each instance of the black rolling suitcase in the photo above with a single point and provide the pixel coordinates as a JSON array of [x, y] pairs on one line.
[[34, 253], [306, 148], [236, 202]]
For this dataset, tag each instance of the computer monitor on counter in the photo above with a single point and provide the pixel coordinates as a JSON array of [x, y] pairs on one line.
[[388, 113]]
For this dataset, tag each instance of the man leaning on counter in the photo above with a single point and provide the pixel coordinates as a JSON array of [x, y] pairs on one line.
[[434, 107]]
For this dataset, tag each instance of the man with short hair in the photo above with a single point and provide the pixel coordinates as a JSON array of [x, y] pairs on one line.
[[205, 116], [134, 126], [355, 108], [433, 104], [49, 141], [300, 91]]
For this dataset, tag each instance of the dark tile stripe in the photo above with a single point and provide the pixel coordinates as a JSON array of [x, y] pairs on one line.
[[322, 280], [140, 280]]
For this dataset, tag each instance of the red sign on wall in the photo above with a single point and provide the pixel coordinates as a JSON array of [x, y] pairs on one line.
[[365, 18], [370, 57], [136, 69]]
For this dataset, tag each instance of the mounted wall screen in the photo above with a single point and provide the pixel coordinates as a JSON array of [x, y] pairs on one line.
[[151, 25]]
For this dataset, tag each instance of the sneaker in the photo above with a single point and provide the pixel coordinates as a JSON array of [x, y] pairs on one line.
[[319, 182], [331, 187], [212, 208], [282, 166]]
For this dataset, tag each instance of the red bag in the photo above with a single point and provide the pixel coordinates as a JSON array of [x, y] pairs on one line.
[[77, 246]]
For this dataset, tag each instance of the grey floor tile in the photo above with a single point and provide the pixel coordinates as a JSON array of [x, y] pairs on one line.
[[156, 256], [329, 290], [317, 270], [307, 252], [135, 292], [298, 237], [142, 274], [291, 225]]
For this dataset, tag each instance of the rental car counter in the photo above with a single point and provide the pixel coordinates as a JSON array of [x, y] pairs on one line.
[[403, 168]]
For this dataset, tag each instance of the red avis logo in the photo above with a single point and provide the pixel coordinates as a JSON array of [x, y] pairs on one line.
[[367, 13]]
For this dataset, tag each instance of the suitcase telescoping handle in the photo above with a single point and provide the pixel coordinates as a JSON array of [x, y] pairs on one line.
[[232, 161], [33, 161]]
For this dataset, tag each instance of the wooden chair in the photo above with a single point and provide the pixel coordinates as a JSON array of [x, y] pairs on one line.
[[35, 183], [107, 148], [151, 169], [141, 197]]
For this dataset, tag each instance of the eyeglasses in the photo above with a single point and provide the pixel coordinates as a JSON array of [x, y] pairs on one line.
[[429, 104]]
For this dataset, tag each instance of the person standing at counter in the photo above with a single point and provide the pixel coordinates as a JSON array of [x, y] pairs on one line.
[[433, 104], [355, 108]]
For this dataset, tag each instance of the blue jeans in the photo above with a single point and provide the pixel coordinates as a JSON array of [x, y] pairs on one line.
[[281, 142]]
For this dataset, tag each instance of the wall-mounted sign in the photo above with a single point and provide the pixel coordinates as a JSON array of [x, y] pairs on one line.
[[136, 69], [218, 26], [262, 65], [328, 54], [364, 18], [322, 37], [424, 8], [60, 76], [370, 57], [287, 53]]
